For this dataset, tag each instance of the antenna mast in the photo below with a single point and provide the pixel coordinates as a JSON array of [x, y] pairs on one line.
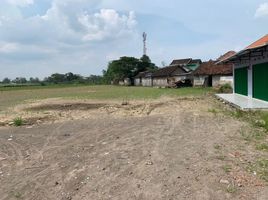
[[144, 35]]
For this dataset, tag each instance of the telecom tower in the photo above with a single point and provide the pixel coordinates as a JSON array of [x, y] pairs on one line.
[[144, 35]]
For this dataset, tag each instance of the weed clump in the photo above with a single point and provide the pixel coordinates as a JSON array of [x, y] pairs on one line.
[[18, 121], [226, 88], [262, 147], [260, 168]]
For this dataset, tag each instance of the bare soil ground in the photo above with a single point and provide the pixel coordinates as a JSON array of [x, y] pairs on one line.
[[162, 149]]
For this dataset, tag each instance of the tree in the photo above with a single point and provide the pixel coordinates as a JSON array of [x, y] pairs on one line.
[[70, 77], [34, 80], [146, 64], [125, 67], [6, 81], [20, 80], [56, 78], [145, 59]]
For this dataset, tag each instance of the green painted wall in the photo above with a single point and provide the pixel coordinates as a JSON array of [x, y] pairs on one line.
[[241, 81], [260, 81]]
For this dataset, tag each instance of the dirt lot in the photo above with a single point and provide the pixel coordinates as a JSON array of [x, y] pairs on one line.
[[162, 149]]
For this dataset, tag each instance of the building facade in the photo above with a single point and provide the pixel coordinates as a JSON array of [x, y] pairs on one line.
[[251, 70]]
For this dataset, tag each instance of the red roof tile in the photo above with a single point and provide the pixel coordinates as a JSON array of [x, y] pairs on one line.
[[226, 56], [211, 68], [261, 42]]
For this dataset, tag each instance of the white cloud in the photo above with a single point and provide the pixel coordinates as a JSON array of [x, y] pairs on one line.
[[20, 2], [72, 35], [262, 10], [106, 24], [8, 47]]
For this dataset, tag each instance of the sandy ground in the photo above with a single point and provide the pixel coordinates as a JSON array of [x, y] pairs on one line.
[[164, 149]]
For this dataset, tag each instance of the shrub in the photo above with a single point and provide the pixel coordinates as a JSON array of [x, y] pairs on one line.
[[226, 88], [18, 121]]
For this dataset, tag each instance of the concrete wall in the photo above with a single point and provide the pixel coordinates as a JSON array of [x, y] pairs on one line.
[[127, 82], [137, 82], [217, 80], [161, 82], [221, 80], [121, 83], [199, 80], [146, 82], [167, 81]]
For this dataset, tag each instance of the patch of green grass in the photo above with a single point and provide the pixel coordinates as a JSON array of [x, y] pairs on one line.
[[246, 136], [254, 135], [227, 168], [18, 121], [17, 195], [217, 146], [262, 147], [13, 96], [221, 157], [231, 189], [263, 172], [213, 110], [226, 88], [260, 168], [259, 135], [264, 118], [238, 113]]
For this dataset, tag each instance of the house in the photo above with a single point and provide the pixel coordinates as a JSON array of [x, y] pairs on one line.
[[214, 73], [251, 70], [167, 76], [144, 79], [178, 70], [209, 74]]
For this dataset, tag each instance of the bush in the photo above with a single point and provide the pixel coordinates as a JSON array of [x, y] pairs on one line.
[[226, 88], [18, 121]]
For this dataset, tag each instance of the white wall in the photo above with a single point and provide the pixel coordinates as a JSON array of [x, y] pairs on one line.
[[162, 82], [199, 80], [137, 82], [146, 82], [218, 80]]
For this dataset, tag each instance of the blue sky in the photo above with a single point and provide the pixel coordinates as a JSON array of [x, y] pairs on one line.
[[41, 37]]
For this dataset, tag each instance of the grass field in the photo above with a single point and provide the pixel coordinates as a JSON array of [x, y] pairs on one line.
[[12, 96]]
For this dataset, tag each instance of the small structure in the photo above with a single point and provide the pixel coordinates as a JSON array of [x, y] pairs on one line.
[[178, 70], [214, 73], [209, 74], [144, 79], [251, 75], [168, 76]]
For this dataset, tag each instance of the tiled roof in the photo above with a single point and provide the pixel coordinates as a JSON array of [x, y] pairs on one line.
[[195, 61], [181, 61], [210, 68], [226, 56], [168, 71], [144, 74], [259, 43]]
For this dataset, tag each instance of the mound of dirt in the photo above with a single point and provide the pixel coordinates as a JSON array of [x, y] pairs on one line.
[[66, 107]]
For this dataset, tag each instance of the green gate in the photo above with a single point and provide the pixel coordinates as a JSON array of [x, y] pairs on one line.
[[260, 81], [241, 81]]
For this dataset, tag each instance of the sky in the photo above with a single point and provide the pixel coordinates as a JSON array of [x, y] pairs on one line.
[[41, 37]]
